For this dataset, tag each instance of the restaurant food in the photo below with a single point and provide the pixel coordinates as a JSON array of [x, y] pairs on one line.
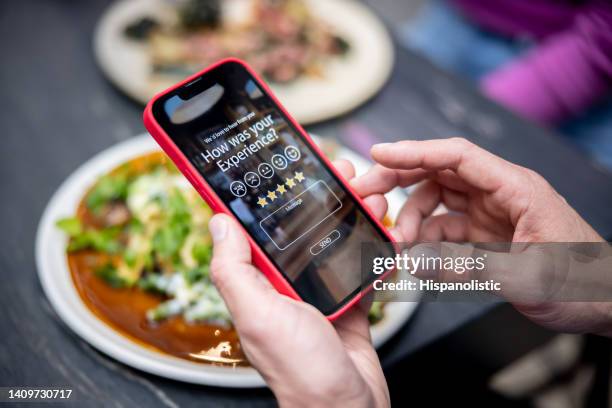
[[139, 254], [281, 39]]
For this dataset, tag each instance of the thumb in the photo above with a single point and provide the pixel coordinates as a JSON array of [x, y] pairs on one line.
[[241, 285]]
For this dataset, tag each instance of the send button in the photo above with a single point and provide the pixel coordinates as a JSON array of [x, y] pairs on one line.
[[325, 242]]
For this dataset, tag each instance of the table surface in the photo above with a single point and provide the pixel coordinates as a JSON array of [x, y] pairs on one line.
[[57, 111]]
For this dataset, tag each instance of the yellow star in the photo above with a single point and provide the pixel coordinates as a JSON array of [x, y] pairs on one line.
[[271, 195], [299, 176], [281, 189], [262, 202], [290, 183]]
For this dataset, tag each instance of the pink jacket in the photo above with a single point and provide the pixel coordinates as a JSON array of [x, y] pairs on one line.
[[568, 71]]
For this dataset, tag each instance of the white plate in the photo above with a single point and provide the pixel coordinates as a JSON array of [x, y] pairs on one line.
[[58, 286], [349, 81]]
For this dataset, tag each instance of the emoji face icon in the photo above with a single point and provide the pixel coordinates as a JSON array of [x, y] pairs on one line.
[[238, 188], [265, 170], [292, 153], [279, 161], [252, 179]]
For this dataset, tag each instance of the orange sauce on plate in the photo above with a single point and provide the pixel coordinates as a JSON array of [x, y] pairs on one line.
[[124, 309]]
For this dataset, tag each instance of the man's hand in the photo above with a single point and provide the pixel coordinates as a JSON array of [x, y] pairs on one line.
[[304, 359], [489, 200]]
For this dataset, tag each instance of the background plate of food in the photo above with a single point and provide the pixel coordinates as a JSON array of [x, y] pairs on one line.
[[123, 252], [321, 57]]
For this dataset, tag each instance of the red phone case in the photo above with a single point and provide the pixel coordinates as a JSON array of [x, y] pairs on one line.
[[260, 259]]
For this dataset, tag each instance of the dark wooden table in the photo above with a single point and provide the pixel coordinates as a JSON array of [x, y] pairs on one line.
[[57, 110]]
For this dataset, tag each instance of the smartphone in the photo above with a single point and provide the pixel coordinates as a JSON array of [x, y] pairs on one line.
[[246, 156]]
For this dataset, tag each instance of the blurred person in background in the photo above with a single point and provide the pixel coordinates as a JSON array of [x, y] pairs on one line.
[[549, 61]]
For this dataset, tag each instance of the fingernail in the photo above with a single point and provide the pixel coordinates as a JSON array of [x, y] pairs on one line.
[[381, 145], [218, 228]]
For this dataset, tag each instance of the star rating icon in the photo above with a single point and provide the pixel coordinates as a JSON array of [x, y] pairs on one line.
[[290, 182], [281, 189]]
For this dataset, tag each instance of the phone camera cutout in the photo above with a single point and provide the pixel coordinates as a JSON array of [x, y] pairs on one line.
[[238, 189], [265, 170], [279, 161], [252, 179], [292, 153]]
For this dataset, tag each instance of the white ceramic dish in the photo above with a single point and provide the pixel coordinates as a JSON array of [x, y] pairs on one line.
[[347, 83], [58, 286]]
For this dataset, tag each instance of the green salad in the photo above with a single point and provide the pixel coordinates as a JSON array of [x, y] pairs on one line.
[[153, 228], [148, 229]]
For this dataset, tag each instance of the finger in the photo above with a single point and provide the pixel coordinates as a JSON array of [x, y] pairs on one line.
[[345, 168], [473, 164], [454, 200], [377, 203], [381, 180], [445, 227], [450, 179], [419, 205], [240, 284]]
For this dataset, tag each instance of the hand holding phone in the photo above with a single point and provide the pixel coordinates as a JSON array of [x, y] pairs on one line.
[[247, 158], [277, 349]]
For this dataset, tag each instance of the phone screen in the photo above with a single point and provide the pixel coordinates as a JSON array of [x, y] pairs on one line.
[[281, 191]]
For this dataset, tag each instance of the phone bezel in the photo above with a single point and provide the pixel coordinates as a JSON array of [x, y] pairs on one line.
[[155, 110]]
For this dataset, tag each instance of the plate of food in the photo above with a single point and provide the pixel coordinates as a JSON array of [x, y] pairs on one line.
[[334, 52], [123, 252]]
